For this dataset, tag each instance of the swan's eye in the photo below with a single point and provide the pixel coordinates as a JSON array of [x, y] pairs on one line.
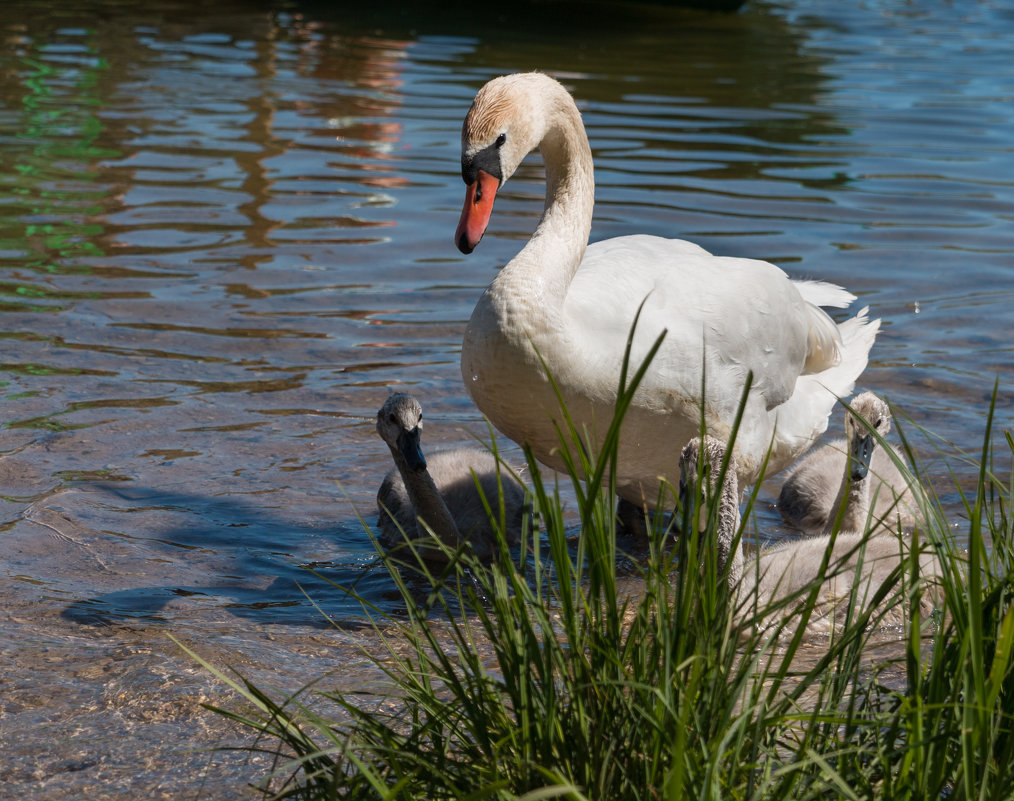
[[500, 140], [879, 421], [392, 419]]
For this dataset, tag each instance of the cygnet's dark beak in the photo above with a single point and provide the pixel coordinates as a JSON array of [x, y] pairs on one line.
[[861, 455], [409, 446]]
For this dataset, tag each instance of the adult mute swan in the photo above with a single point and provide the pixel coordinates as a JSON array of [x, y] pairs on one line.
[[571, 305], [441, 491], [853, 468], [858, 565]]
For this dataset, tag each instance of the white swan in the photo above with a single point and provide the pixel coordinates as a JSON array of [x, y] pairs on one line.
[[572, 305], [441, 491], [858, 565], [854, 467]]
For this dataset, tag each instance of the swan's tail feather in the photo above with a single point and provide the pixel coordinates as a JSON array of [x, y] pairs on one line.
[[824, 344], [821, 293], [804, 417], [857, 336]]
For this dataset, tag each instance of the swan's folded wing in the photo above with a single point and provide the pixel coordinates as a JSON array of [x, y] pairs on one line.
[[734, 316]]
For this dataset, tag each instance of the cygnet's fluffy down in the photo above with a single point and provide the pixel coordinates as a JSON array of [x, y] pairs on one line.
[[812, 492], [858, 565], [441, 489], [857, 568]]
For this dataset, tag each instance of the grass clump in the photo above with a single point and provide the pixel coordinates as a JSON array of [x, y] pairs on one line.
[[545, 675]]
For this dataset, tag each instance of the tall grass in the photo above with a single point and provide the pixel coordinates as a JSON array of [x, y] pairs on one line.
[[540, 677]]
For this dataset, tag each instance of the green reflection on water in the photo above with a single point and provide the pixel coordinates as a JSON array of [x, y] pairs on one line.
[[30, 368], [50, 225], [49, 422]]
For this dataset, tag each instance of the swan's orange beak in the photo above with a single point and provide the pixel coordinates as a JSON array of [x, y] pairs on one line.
[[479, 198]]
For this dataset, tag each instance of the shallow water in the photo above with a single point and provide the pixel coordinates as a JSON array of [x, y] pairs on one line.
[[225, 236]]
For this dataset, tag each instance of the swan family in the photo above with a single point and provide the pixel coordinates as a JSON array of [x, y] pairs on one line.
[[555, 331]]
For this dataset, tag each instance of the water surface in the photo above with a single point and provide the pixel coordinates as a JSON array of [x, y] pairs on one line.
[[226, 236]]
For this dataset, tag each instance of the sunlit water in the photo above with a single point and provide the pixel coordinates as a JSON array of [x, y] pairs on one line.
[[226, 235]]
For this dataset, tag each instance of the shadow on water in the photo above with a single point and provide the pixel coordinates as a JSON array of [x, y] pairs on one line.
[[261, 580]]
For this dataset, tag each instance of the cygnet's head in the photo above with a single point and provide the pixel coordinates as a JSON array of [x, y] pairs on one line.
[[876, 413], [399, 424]]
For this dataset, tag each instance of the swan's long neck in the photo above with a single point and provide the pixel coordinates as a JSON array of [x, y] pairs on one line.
[[535, 282], [855, 495], [427, 501]]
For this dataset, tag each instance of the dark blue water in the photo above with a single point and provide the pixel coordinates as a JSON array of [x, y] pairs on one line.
[[226, 235]]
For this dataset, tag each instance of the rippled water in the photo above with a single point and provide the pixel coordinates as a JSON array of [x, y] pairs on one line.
[[225, 236]]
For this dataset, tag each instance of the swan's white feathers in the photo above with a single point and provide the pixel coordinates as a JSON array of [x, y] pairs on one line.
[[570, 305], [824, 344], [821, 293], [492, 111], [767, 335]]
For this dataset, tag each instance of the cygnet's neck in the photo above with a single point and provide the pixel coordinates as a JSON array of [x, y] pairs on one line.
[[427, 501], [855, 494], [730, 561]]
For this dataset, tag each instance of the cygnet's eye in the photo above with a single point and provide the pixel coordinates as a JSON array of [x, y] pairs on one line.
[[500, 140], [879, 421], [392, 419]]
